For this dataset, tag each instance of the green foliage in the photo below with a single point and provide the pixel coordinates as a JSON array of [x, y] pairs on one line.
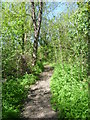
[[16, 24], [69, 83], [28, 79], [14, 93], [38, 68], [69, 92], [63, 40]]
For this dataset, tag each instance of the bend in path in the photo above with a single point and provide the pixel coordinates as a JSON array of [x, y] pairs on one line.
[[38, 102]]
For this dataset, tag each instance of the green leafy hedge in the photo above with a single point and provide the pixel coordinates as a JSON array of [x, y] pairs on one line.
[[69, 92]]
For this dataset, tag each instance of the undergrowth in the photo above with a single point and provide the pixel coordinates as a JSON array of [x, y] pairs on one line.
[[14, 93], [69, 92]]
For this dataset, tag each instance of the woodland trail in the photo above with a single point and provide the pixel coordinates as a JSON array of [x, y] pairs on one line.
[[38, 101]]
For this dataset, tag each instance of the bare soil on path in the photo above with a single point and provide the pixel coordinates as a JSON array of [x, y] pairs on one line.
[[38, 104]]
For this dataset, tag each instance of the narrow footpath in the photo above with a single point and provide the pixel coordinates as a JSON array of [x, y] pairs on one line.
[[38, 101]]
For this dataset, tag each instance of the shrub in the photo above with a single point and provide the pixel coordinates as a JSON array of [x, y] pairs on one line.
[[69, 92], [14, 92], [38, 68]]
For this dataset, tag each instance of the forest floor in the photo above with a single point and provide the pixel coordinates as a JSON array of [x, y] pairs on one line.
[[38, 103]]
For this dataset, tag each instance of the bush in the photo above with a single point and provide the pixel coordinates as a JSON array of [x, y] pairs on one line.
[[38, 68], [14, 92], [69, 92]]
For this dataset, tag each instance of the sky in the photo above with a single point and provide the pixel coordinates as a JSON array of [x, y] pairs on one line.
[[61, 7]]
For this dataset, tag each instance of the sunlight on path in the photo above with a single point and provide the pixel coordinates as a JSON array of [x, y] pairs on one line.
[[38, 102]]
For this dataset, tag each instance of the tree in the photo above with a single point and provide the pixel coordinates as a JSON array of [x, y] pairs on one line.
[[37, 26], [16, 24]]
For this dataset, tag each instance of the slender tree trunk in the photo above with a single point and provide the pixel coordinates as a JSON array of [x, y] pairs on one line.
[[24, 66], [88, 73], [88, 62], [37, 26], [23, 37]]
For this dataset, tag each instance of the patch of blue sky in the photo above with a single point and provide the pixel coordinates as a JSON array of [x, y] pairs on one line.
[[57, 10], [62, 8]]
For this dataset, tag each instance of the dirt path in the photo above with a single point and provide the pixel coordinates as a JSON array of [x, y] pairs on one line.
[[38, 102]]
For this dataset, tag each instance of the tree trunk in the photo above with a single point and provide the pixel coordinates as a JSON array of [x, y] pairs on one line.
[[88, 73], [23, 36], [37, 26], [88, 62], [24, 66]]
